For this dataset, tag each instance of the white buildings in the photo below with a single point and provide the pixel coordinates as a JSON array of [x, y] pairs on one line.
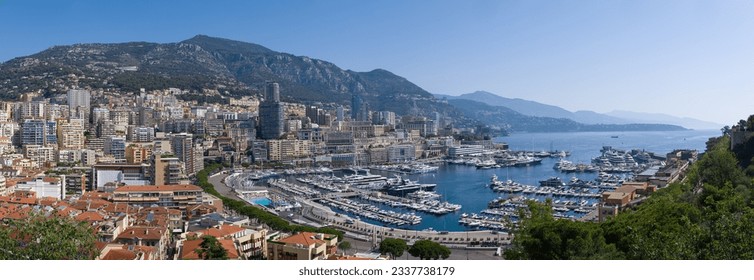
[[78, 98], [44, 187]]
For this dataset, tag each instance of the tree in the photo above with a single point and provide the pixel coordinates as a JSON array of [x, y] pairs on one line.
[[742, 125], [211, 249], [393, 246], [540, 236], [429, 250], [47, 238], [345, 245]]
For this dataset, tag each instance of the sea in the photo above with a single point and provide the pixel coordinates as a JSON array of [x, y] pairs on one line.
[[467, 185]]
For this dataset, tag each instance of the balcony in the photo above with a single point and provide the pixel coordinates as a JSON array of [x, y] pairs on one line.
[[139, 199]]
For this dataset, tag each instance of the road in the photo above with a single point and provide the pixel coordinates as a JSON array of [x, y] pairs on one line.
[[218, 181], [358, 246], [463, 245]]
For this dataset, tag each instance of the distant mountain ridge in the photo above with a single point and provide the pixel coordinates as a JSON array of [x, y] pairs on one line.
[[237, 68], [536, 109], [513, 121], [240, 68], [664, 118]]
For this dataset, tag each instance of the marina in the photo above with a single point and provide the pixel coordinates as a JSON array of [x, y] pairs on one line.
[[474, 197]]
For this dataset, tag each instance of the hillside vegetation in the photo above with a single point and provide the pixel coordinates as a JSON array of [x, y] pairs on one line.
[[709, 215]]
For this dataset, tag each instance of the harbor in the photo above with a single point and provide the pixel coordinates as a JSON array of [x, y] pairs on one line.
[[454, 196]]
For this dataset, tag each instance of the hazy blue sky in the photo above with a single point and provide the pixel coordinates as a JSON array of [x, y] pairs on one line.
[[685, 58]]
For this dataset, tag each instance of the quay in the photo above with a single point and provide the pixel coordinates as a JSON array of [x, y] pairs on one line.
[[322, 215], [376, 233]]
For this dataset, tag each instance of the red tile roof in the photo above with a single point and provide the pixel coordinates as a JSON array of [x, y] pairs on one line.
[[147, 250], [189, 249], [144, 233], [20, 197], [222, 230], [91, 204], [90, 217], [20, 213], [190, 246], [120, 254], [304, 238], [118, 208]]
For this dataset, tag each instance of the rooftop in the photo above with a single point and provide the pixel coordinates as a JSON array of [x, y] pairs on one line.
[[190, 247], [158, 188], [146, 233], [305, 238], [222, 230]]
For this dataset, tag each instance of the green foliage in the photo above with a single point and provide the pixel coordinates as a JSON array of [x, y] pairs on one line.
[[745, 152], [543, 237], [263, 216], [134, 81], [429, 250], [709, 215], [662, 228], [344, 245], [47, 238], [719, 166], [211, 249], [393, 246]]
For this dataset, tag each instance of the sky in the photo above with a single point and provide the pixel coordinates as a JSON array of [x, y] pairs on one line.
[[684, 58]]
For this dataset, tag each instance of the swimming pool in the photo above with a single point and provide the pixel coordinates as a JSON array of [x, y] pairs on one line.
[[264, 201]]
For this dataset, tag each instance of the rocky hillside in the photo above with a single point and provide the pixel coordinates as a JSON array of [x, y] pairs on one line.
[[239, 68]]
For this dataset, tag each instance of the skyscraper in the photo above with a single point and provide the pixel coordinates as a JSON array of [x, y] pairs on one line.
[[271, 113], [359, 109], [355, 106], [339, 113], [272, 92]]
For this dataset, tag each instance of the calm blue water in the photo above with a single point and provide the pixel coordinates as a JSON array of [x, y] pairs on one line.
[[264, 201], [467, 185]]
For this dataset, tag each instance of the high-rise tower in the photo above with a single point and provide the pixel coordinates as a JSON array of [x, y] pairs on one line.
[[355, 106], [271, 113]]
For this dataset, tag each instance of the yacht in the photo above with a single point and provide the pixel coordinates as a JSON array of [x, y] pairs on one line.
[[402, 186], [418, 168], [368, 181], [423, 195], [488, 163], [552, 182], [565, 166], [527, 161]]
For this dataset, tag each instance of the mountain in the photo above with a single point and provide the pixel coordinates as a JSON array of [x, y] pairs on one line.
[[537, 109], [595, 118], [208, 64], [519, 105], [512, 121], [532, 108], [204, 62], [664, 118]]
